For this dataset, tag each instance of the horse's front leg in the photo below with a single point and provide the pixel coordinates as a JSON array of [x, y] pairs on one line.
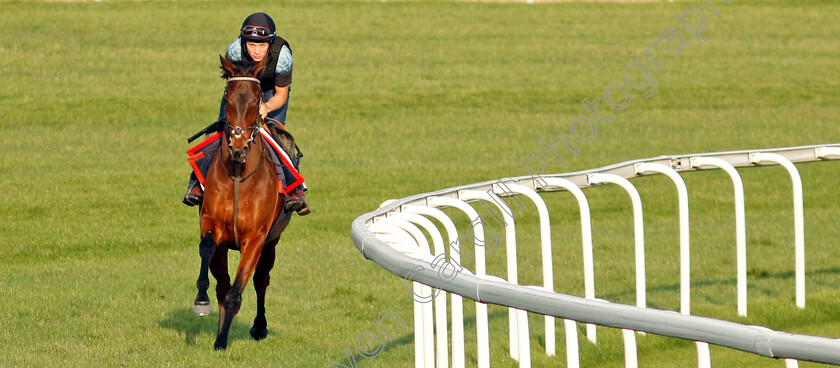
[[206, 248], [219, 268], [250, 248], [259, 330]]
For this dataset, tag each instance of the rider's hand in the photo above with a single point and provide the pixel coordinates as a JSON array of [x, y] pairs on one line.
[[264, 110]]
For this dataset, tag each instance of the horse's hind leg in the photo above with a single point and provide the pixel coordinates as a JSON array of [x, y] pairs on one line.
[[206, 248], [261, 280]]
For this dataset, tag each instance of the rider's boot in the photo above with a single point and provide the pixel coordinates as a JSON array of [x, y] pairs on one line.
[[296, 201], [194, 193]]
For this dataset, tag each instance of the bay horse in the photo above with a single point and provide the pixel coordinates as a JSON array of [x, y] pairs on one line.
[[241, 205]]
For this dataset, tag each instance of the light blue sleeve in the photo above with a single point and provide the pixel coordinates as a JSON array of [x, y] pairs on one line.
[[284, 62], [234, 51]]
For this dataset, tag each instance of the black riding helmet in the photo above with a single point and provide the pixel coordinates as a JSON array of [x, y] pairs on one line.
[[258, 27]]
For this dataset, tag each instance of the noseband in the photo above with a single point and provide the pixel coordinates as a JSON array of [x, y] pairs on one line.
[[236, 132]]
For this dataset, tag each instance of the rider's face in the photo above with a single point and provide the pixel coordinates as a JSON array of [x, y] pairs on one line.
[[257, 50]]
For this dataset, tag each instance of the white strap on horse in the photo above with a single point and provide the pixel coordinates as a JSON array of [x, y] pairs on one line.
[[251, 79]]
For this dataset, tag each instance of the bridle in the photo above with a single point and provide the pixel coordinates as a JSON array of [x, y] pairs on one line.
[[231, 132], [236, 132]]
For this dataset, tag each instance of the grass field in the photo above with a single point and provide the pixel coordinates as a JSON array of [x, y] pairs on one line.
[[99, 258]]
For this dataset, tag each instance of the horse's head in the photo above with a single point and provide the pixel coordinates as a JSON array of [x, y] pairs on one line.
[[242, 106]]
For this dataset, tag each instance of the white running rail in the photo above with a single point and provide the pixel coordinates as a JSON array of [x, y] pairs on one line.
[[391, 237]]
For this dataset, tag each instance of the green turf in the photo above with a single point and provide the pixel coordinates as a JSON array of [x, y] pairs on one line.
[[390, 99]]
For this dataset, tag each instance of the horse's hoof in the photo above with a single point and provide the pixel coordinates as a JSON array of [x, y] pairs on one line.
[[220, 346], [259, 335], [202, 308]]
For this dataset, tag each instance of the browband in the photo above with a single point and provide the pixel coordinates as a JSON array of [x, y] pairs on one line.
[[252, 79]]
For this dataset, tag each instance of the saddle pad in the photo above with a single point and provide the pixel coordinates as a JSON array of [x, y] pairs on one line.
[[201, 155]]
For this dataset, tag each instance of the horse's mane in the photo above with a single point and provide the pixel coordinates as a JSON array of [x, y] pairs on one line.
[[242, 67]]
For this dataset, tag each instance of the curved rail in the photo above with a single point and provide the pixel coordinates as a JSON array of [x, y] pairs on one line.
[[492, 290]]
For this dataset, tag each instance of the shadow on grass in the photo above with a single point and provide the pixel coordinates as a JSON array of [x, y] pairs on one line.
[[408, 339], [752, 274], [183, 321]]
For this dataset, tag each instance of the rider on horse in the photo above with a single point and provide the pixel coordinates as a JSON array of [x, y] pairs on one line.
[[258, 41]]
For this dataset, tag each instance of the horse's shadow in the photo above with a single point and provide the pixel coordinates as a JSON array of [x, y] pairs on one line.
[[183, 321]]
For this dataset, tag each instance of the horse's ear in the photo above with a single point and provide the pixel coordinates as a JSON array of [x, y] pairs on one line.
[[227, 67], [257, 70]]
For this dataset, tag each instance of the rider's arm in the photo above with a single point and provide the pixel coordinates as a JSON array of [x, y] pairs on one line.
[[283, 80], [275, 102]]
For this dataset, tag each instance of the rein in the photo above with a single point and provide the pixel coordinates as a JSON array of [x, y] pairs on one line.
[[238, 166]]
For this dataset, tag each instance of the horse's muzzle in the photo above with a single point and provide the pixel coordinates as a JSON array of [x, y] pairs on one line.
[[238, 155]]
